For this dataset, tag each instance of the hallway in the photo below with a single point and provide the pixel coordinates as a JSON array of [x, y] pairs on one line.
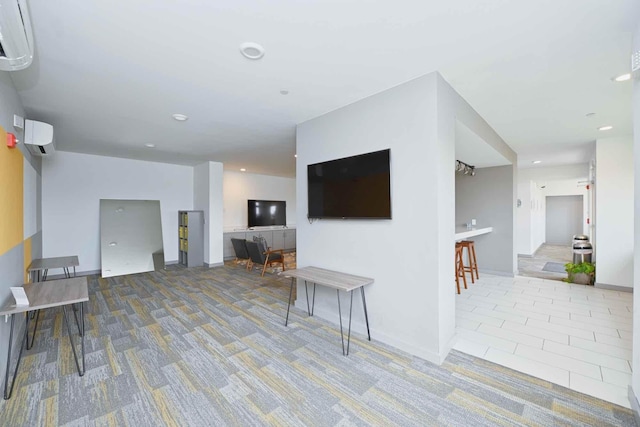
[[552, 256]]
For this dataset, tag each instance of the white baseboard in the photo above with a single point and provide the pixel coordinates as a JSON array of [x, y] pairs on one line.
[[376, 335], [635, 405], [613, 287]]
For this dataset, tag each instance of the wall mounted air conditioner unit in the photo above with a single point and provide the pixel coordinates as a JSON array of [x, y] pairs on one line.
[[38, 138], [16, 36]]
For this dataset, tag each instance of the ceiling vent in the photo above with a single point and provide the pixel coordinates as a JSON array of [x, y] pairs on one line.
[[16, 36], [38, 138]]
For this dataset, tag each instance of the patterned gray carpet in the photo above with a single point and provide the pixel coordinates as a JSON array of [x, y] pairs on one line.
[[207, 347]]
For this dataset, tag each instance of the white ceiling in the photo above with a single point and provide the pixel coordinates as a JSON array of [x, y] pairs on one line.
[[108, 75]]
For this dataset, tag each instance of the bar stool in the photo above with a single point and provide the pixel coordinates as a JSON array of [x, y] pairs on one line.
[[460, 268], [471, 256]]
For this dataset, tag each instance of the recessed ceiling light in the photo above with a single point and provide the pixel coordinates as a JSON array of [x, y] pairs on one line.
[[251, 50], [243, 170], [180, 117], [622, 77], [284, 92], [608, 127], [149, 145], [535, 162]]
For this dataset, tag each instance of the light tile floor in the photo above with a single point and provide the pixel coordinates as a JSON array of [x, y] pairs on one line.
[[573, 335]]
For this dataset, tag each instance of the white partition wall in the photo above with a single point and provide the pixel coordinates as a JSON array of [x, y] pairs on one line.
[[635, 380], [208, 197], [614, 211], [412, 302], [403, 301]]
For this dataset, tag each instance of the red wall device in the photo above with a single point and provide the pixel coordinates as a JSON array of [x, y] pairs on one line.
[[11, 140]]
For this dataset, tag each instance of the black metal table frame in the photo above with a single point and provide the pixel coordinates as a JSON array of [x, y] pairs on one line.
[[310, 310], [40, 275], [8, 390]]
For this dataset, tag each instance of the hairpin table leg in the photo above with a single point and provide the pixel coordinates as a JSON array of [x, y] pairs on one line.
[[8, 390]]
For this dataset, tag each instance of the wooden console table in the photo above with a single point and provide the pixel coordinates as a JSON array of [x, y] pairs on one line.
[[332, 279]]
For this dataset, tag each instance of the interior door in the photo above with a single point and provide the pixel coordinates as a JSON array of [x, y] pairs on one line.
[[563, 218]]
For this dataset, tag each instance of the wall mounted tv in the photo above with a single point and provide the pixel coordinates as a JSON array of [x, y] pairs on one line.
[[263, 213], [352, 187]]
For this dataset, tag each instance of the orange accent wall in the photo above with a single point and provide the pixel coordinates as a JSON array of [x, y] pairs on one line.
[[11, 195]]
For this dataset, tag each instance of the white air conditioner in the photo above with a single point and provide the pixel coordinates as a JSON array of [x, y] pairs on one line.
[[38, 138], [16, 36]]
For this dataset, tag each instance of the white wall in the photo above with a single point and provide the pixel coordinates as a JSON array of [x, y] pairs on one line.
[[453, 108], [412, 302], [538, 206], [578, 171], [216, 213], [207, 197], [635, 365], [73, 184], [201, 187], [614, 206], [240, 187], [400, 254], [530, 218], [524, 233]]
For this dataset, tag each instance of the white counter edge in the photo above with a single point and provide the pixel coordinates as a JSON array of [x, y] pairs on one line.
[[472, 233]]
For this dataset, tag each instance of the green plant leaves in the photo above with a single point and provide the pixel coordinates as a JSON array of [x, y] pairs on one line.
[[586, 268]]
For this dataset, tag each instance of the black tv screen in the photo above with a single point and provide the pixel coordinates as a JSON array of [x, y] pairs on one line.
[[267, 212], [352, 187]]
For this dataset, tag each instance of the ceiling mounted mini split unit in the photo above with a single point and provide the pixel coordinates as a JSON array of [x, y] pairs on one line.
[[38, 138], [16, 36]]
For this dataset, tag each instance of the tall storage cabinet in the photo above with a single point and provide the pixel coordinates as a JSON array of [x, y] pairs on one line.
[[191, 238]]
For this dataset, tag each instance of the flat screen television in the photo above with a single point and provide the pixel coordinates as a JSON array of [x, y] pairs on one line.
[[262, 213], [352, 187]]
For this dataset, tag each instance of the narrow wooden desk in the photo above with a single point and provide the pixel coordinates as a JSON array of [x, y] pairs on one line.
[[332, 279], [55, 293], [44, 264]]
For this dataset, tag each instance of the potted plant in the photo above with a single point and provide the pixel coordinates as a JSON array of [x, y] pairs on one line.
[[583, 273]]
